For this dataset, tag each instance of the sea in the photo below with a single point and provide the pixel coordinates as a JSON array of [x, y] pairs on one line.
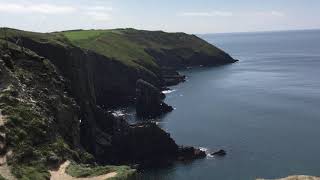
[[263, 110]]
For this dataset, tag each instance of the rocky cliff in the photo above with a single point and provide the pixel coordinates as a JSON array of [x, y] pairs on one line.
[[40, 123], [55, 96], [149, 102]]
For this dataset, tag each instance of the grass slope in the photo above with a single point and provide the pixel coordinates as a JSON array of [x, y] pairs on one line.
[[52, 38], [129, 45], [81, 170], [113, 44]]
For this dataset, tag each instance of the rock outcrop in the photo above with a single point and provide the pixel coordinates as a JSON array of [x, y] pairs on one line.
[[190, 153], [149, 102], [145, 144]]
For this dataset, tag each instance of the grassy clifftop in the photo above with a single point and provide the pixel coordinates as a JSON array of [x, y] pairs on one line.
[[132, 46], [51, 38], [137, 49]]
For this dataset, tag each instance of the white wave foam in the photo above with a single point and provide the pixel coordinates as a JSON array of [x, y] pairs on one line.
[[118, 113], [206, 150], [168, 91]]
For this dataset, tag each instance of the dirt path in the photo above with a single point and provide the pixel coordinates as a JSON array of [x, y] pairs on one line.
[[4, 168], [2, 119], [61, 174]]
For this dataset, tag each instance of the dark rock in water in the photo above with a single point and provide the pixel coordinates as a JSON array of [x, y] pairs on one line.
[[149, 100], [145, 144], [147, 141], [219, 153], [190, 153]]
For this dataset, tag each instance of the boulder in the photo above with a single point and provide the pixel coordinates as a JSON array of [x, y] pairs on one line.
[[149, 102]]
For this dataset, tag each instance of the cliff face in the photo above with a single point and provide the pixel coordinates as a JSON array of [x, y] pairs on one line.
[[149, 102], [40, 126], [93, 76], [105, 67], [96, 83], [66, 91]]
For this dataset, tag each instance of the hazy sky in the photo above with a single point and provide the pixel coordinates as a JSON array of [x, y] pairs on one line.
[[192, 16]]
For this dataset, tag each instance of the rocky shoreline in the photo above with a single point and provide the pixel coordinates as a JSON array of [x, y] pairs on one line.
[[60, 95]]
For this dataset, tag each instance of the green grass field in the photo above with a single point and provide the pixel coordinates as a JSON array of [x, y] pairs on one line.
[[112, 44], [81, 170], [129, 45]]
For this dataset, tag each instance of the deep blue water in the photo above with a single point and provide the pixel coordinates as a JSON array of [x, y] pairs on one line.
[[264, 110]]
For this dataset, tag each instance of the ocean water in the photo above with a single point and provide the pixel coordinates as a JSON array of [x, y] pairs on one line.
[[264, 110]]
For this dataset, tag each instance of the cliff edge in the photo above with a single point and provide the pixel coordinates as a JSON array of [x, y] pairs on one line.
[[56, 89]]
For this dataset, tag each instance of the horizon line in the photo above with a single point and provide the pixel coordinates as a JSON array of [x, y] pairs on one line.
[[262, 31]]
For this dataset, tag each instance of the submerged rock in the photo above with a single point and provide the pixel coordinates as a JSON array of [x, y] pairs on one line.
[[221, 152], [149, 100]]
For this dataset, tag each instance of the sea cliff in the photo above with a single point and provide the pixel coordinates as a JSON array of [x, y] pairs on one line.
[[56, 89]]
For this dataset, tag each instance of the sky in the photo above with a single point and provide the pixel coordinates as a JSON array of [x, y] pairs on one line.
[[191, 16]]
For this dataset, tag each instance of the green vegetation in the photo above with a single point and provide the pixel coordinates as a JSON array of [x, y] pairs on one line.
[[27, 134], [83, 35], [52, 38], [130, 46], [81, 170], [2, 178], [30, 172], [112, 44], [30, 131]]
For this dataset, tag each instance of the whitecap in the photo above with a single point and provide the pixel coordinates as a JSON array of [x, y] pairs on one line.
[[168, 91], [206, 150], [118, 113]]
